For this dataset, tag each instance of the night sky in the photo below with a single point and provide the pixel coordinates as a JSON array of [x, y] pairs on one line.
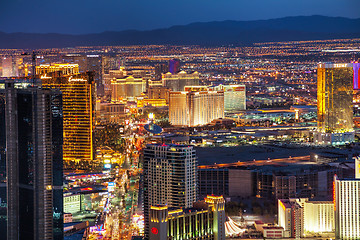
[[92, 16]]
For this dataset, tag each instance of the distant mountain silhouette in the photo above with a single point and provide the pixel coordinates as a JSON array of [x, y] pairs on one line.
[[208, 33]]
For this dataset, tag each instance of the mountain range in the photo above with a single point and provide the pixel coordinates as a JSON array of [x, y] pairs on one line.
[[218, 33]]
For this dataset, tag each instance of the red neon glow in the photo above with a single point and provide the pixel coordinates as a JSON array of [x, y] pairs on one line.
[[334, 195], [154, 230]]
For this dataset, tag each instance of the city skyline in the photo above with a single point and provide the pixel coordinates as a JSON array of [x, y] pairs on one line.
[[210, 120]]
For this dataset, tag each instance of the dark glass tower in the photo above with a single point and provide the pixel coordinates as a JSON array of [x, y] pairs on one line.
[[57, 164], [33, 126], [2, 166]]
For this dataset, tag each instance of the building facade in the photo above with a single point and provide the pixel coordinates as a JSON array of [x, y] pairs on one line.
[[205, 222], [110, 112], [234, 97], [64, 69], [334, 103], [159, 93], [178, 81], [319, 216], [79, 114], [269, 182], [290, 217], [299, 216], [347, 208], [128, 87], [170, 177], [195, 107], [33, 120]]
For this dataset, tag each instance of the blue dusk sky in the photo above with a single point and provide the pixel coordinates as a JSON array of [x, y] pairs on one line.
[[93, 16]]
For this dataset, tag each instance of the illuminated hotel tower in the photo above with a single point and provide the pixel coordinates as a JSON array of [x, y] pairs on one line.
[[334, 103], [177, 81], [127, 87], [234, 97], [206, 220], [347, 206], [78, 107], [195, 106], [170, 177]]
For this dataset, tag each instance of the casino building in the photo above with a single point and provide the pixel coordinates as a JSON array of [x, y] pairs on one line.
[[206, 220], [195, 106]]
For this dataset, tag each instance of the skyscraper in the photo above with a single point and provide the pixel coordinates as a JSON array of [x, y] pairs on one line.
[[2, 159], [334, 103], [160, 69], [356, 67], [78, 111], [234, 97], [127, 87], [347, 208], [64, 69], [174, 66], [94, 65], [33, 122], [178, 81], [206, 220], [195, 106], [170, 177], [291, 214]]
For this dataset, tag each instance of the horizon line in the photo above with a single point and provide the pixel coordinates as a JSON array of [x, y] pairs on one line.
[[176, 25]]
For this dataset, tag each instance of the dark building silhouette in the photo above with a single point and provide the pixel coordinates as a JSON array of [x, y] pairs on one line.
[[33, 137], [160, 69]]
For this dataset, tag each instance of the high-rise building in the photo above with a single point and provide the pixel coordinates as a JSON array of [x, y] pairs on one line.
[[110, 113], [206, 220], [63, 69], [347, 206], [11, 66], [159, 93], [174, 66], [334, 103], [2, 160], [195, 106], [94, 65], [290, 217], [78, 111], [33, 126], [178, 81], [160, 69], [356, 67], [299, 216], [319, 216], [127, 87], [170, 177], [78, 59], [112, 75], [234, 97], [109, 63]]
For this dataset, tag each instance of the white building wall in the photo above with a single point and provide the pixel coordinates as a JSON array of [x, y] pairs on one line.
[[347, 208]]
